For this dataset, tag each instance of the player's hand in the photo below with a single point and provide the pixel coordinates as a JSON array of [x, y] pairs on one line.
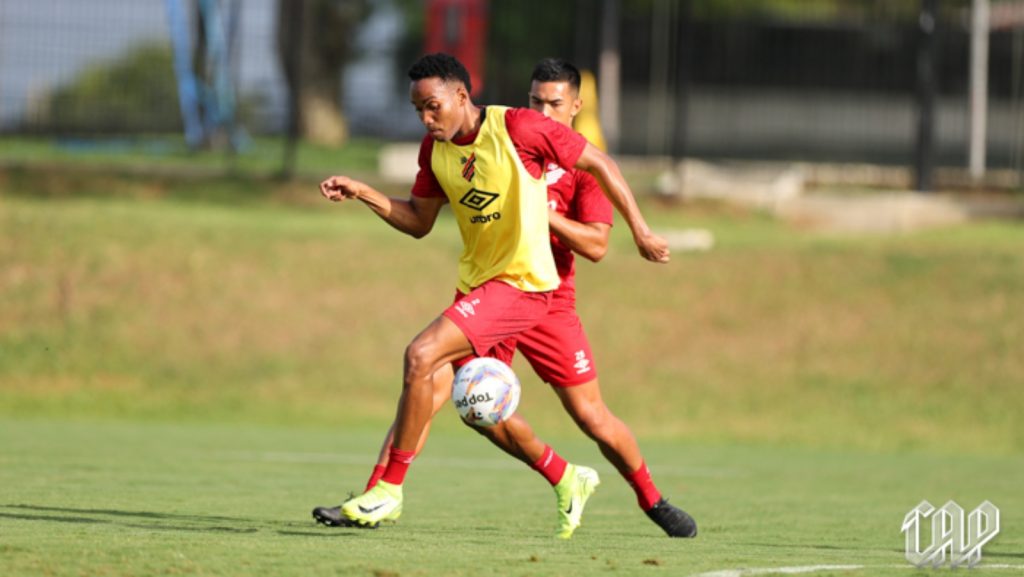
[[652, 247], [339, 188]]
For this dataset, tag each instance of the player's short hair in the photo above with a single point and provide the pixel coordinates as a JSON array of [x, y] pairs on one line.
[[556, 70], [440, 65]]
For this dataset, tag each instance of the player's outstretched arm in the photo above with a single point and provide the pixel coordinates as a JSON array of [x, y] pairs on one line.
[[652, 247], [587, 239], [414, 216]]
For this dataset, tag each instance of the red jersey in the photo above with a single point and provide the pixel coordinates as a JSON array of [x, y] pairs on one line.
[[544, 146], [538, 140], [577, 195]]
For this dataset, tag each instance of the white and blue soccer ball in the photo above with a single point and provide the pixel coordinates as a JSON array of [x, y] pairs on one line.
[[485, 392]]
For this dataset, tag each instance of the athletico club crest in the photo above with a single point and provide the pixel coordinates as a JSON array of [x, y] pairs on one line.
[[469, 167], [477, 199]]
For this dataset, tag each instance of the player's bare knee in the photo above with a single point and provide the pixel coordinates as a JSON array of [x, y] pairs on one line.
[[419, 362]]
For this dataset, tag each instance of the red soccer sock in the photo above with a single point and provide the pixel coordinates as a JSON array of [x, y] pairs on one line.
[[550, 465], [647, 495], [378, 472], [398, 465]]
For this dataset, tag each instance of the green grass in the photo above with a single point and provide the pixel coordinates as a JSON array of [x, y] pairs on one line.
[[248, 301], [102, 498], [188, 365], [263, 156]]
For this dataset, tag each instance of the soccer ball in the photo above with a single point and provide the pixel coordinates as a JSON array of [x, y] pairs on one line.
[[485, 392]]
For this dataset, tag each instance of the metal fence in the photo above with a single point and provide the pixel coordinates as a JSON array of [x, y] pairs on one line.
[[75, 67], [840, 87], [834, 85]]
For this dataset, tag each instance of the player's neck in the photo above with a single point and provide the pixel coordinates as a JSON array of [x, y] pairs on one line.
[[473, 119]]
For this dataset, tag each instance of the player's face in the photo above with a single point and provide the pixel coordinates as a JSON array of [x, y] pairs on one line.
[[556, 100], [439, 106]]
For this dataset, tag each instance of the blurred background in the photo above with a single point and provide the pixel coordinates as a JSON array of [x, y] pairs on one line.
[[912, 83], [196, 348], [840, 179]]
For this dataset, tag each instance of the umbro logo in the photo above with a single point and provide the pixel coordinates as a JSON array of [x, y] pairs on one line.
[[467, 308], [477, 199], [582, 363]]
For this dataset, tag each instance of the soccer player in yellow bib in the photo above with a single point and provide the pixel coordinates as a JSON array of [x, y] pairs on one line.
[[558, 348], [488, 163]]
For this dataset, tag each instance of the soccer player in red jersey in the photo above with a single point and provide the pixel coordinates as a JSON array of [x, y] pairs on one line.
[[488, 163], [557, 347]]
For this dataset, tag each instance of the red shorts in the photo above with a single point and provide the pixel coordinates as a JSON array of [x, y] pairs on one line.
[[556, 347], [493, 314]]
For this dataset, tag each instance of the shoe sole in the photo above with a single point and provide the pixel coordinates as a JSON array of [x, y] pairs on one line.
[[365, 524], [329, 522]]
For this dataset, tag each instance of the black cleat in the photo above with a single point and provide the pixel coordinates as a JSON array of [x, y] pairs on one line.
[[333, 517], [330, 516], [675, 521]]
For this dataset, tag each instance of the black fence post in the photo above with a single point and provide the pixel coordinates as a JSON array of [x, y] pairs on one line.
[[295, 88], [684, 47], [924, 155]]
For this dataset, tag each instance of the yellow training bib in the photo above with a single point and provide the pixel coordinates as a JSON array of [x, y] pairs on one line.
[[501, 209]]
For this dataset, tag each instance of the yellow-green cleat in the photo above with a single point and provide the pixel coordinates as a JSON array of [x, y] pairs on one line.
[[381, 503], [576, 486]]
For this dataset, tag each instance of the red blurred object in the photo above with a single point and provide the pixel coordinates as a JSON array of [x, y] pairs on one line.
[[459, 28]]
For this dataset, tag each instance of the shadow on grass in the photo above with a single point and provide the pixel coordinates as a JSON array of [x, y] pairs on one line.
[[47, 518], [997, 554], [161, 521], [817, 546], [119, 513], [334, 533]]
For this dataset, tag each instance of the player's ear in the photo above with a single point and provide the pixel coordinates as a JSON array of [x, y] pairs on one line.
[[577, 105]]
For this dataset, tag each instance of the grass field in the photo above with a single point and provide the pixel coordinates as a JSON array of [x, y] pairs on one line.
[[98, 498], [262, 156], [188, 366]]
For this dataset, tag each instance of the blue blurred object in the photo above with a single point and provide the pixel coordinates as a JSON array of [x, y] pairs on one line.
[[181, 41], [207, 99]]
